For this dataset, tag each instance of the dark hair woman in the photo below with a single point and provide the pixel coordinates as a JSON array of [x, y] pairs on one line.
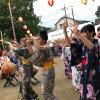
[[90, 78]]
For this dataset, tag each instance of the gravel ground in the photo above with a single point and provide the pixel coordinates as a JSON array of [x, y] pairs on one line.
[[63, 88]]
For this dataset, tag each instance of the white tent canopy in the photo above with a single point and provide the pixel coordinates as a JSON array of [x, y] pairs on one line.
[[58, 34]]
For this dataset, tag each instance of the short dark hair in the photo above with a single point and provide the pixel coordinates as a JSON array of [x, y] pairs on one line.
[[88, 29], [98, 29], [43, 35]]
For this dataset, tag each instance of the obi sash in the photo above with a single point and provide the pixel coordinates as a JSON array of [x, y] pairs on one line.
[[25, 61], [48, 64]]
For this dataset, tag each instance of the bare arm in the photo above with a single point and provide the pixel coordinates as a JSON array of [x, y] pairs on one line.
[[85, 41], [66, 35], [11, 45], [29, 46], [36, 44], [71, 36]]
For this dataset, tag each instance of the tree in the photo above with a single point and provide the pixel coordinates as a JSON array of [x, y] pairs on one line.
[[97, 13], [22, 8]]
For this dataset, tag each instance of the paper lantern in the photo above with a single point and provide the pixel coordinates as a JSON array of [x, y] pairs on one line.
[[30, 34], [84, 1], [20, 19], [28, 31], [50, 2], [25, 27]]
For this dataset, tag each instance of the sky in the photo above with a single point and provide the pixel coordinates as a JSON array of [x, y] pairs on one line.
[[50, 15]]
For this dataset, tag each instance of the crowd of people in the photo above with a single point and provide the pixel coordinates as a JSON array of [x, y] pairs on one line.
[[85, 61], [80, 54]]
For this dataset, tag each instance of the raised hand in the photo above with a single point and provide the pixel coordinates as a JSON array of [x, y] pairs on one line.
[[65, 25], [36, 42], [66, 40], [74, 30]]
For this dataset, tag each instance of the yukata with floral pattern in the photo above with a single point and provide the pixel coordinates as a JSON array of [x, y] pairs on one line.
[[90, 78], [66, 56]]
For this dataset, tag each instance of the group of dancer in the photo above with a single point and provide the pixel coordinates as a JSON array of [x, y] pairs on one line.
[[32, 51], [84, 60], [40, 55]]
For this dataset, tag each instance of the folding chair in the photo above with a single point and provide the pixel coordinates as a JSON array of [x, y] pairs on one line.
[[9, 78]]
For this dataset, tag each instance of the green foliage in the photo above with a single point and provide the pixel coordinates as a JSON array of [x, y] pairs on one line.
[[22, 8]]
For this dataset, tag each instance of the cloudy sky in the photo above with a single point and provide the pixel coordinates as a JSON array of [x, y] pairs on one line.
[[50, 15]]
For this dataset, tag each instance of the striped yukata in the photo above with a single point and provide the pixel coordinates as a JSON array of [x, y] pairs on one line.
[[43, 57]]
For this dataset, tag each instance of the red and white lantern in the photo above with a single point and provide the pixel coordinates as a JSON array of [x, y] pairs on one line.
[[50, 2]]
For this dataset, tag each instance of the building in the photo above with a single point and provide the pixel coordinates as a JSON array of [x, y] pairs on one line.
[[58, 34], [71, 22]]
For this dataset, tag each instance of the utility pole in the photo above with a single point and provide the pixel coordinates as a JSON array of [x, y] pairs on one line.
[[72, 14], [65, 14], [11, 17], [2, 41]]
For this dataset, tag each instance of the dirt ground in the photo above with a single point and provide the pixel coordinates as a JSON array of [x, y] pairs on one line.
[[63, 88]]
